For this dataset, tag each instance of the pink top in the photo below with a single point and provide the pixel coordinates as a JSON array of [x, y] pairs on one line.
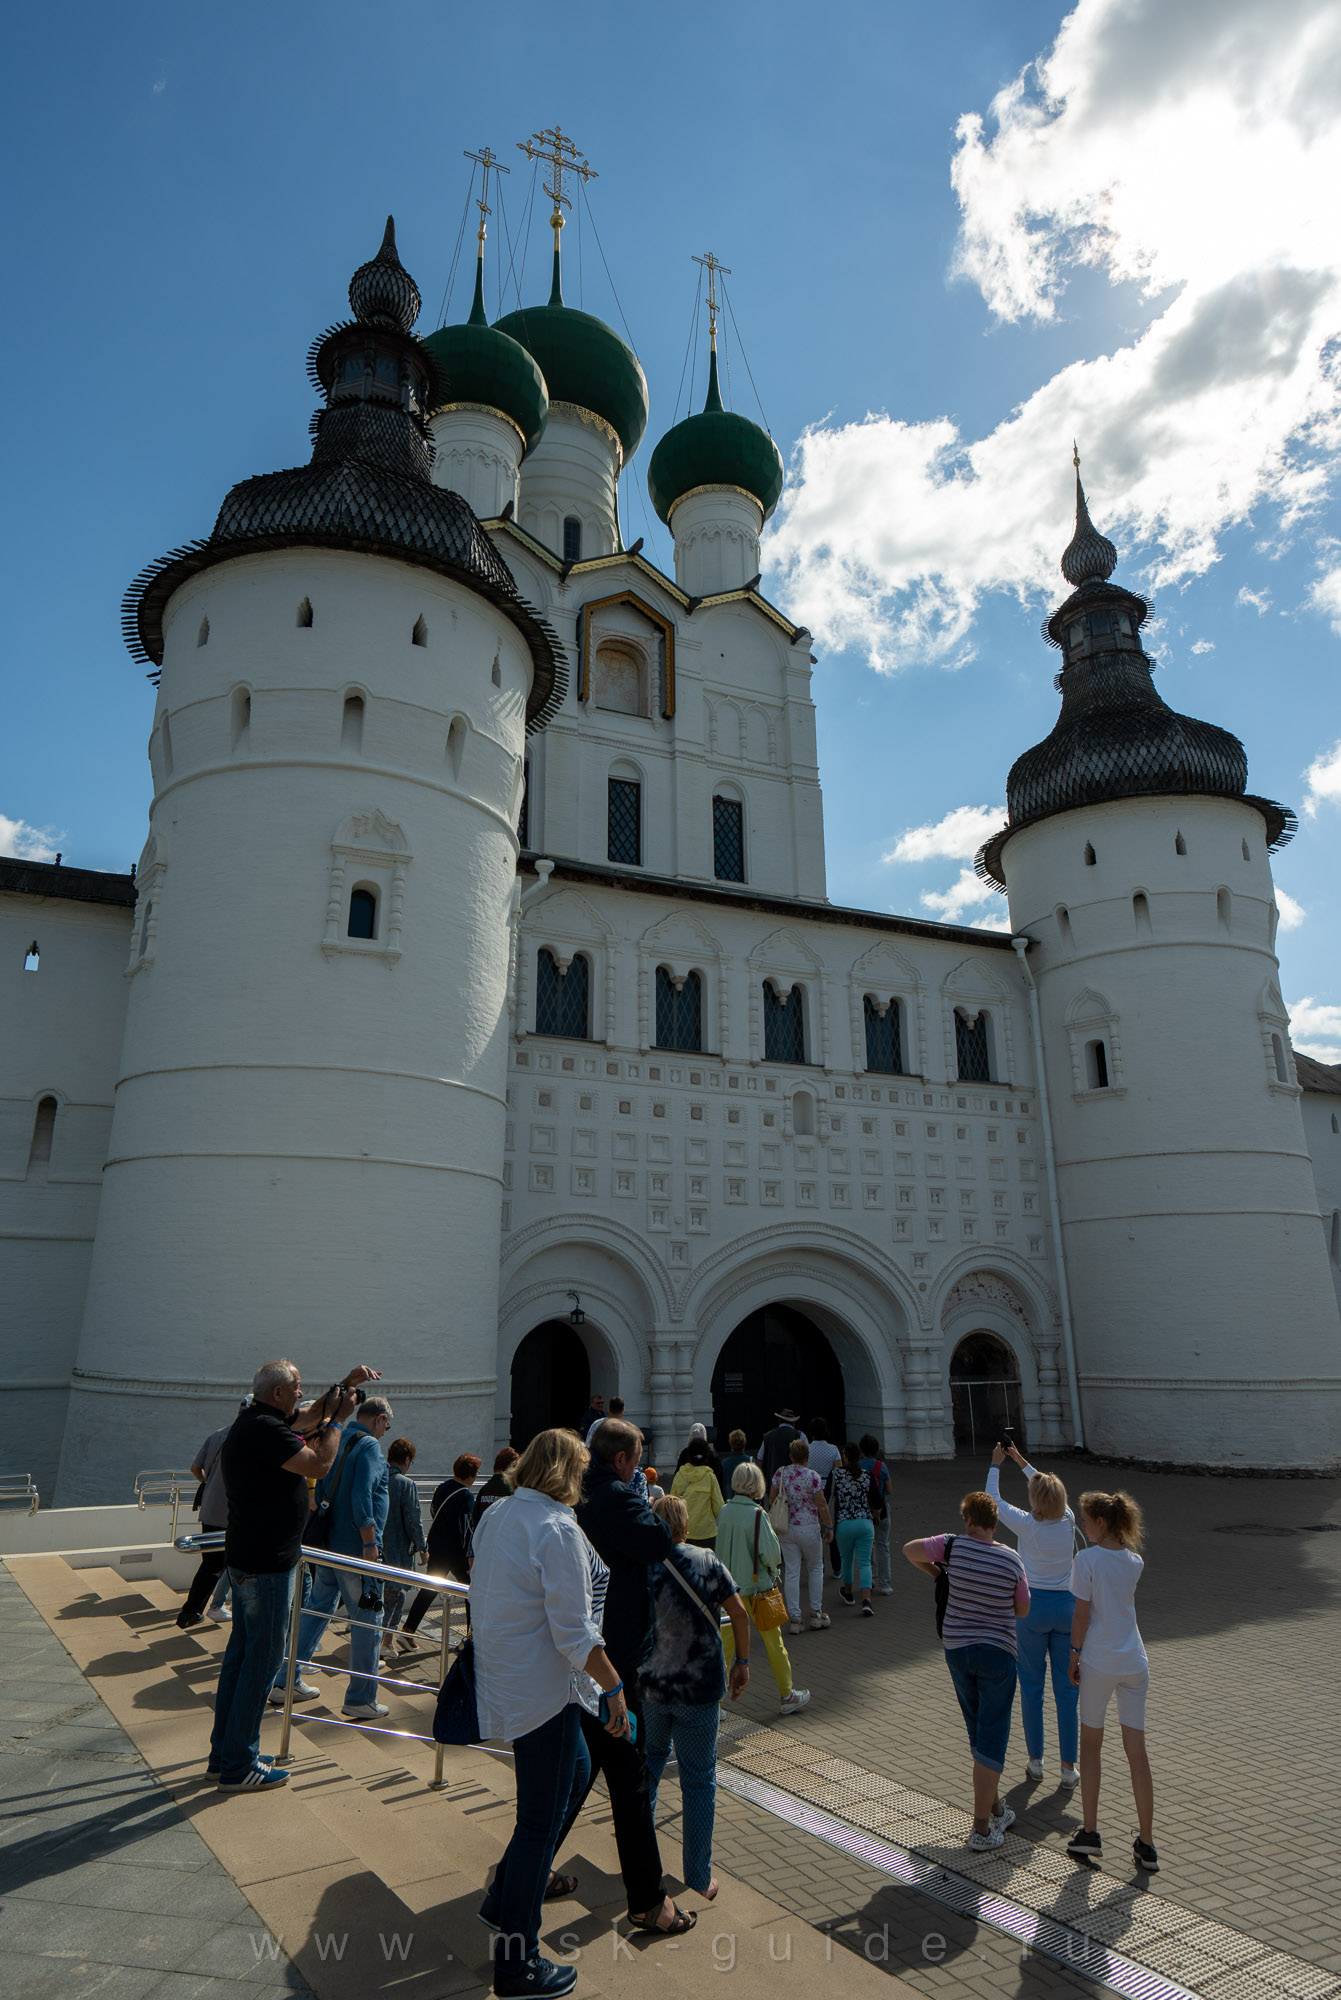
[[802, 1487]]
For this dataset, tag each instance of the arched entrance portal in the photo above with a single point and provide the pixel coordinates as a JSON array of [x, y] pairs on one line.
[[776, 1359], [984, 1393], [551, 1381]]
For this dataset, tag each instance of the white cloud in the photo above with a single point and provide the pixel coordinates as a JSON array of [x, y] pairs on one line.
[[1325, 596], [1315, 1027], [1190, 149], [1255, 600], [957, 837], [1203, 645], [967, 894], [1292, 913], [27, 843], [1323, 778]]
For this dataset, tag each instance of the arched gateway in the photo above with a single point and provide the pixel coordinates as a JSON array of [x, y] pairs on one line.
[[984, 1393], [551, 1381], [776, 1359]]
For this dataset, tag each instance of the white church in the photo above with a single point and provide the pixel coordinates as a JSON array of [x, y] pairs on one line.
[[476, 1008]]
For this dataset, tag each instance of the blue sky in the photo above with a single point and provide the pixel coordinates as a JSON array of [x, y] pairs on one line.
[[943, 262]]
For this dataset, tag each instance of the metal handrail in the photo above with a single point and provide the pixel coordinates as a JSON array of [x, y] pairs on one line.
[[183, 1476], [166, 1487], [18, 1487], [355, 1566]]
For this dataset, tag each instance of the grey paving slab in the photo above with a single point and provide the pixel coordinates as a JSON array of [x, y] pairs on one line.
[[29, 1976]]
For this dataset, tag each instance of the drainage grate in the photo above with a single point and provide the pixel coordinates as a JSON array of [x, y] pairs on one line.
[[1251, 1528], [1082, 1953]]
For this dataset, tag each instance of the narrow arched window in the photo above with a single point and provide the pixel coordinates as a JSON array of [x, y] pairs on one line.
[[1096, 1065], [884, 1036], [803, 1115], [1140, 909], [784, 1025], [679, 1011], [1090, 856], [241, 717], [1064, 926], [419, 636], [1246, 855], [1335, 1126], [728, 840], [1278, 1059], [351, 723], [974, 1061], [561, 998], [624, 829], [524, 810], [305, 612], [496, 672], [203, 635], [456, 743], [1179, 844], [1223, 909], [572, 539], [32, 959], [362, 914], [44, 1130]]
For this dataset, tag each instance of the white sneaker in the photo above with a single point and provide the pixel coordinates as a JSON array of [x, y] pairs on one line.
[[1003, 1819], [302, 1691], [1068, 1780], [365, 1711], [795, 1701], [886, 1590], [819, 1621], [222, 1614], [795, 1626], [983, 1843], [1034, 1768]]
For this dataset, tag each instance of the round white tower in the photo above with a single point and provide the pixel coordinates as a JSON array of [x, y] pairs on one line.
[[306, 1153], [1205, 1323]]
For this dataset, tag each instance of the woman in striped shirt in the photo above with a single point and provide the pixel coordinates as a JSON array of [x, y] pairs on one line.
[[988, 1591]]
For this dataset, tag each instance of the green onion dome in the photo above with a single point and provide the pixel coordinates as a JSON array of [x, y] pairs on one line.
[[479, 363], [715, 448], [585, 362]]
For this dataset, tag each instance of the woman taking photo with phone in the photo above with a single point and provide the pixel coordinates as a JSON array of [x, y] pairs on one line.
[[1046, 1540]]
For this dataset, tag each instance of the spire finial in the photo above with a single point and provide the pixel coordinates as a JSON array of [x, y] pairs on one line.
[[490, 162], [712, 265], [1089, 557], [557, 150], [382, 292]]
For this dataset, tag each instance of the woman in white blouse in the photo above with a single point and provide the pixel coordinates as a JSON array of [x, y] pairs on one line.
[[536, 1642], [1045, 1537]]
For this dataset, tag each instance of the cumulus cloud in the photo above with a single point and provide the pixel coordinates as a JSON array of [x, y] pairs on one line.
[[957, 837], [27, 843], [1325, 596], [1292, 913], [964, 901], [1189, 149], [1255, 600], [1323, 778], [1203, 645], [1315, 1027]]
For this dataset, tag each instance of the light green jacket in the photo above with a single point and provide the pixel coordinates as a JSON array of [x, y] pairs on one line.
[[735, 1545]]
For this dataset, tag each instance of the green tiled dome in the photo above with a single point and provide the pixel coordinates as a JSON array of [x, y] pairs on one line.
[[715, 448], [584, 361], [482, 364]]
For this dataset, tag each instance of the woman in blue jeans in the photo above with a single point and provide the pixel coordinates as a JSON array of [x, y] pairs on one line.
[[988, 1592], [1045, 1537], [538, 1649]]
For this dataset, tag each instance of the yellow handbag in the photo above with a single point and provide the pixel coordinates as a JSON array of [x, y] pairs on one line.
[[767, 1608]]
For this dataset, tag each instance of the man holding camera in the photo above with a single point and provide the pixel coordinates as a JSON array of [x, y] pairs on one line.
[[276, 1444], [352, 1500]]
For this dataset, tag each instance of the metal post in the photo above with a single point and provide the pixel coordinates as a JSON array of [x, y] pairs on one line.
[[291, 1674], [438, 1748]]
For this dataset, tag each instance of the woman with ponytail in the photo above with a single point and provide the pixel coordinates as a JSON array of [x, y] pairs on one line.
[[1108, 1658]]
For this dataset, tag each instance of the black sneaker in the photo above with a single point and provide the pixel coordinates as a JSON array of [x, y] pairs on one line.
[[1145, 1856], [1085, 1846], [186, 1619], [538, 1979], [868, 1611], [846, 1594]]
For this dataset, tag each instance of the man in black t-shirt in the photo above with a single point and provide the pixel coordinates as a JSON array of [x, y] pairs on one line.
[[267, 1461]]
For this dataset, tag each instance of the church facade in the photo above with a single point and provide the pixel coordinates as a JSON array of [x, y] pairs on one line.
[[477, 1009]]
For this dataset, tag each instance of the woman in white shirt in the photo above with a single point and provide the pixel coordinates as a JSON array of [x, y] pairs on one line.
[[1045, 1537], [1108, 1658], [536, 1642]]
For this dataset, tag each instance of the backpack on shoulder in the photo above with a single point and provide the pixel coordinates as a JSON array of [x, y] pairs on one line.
[[943, 1585]]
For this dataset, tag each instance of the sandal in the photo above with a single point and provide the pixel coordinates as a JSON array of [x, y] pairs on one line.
[[681, 1921], [558, 1886]]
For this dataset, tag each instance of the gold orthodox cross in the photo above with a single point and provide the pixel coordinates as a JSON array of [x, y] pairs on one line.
[[491, 164], [712, 266], [561, 156]]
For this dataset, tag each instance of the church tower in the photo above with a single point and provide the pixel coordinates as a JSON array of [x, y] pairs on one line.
[[1138, 868], [307, 1147]]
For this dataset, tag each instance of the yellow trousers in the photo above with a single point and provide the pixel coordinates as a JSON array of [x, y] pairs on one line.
[[773, 1646]]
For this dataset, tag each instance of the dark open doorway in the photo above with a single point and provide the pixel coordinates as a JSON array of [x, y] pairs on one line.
[[984, 1394], [551, 1381], [776, 1359]]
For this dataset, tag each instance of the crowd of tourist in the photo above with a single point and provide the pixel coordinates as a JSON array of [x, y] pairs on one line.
[[611, 1615]]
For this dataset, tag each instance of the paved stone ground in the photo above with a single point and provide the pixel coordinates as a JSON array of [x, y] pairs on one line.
[[1243, 1634], [109, 1892]]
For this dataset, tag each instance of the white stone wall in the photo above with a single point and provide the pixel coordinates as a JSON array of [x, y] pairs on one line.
[[676, 1193], [62, 1038], [716, 530], [1206, 1322], [307, 1146], [573, 472], [1322, 1135], [477, 454]]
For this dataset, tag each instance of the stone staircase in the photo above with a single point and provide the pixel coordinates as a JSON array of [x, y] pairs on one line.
[[364, 1878]]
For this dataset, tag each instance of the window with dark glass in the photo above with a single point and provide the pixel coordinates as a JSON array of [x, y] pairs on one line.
[[971, 1049], [572, 539], [679, 1012], [728, 840], [524, 810], [784, 1026], [884, 1037], [363, 914], [625, 834], [561, 998]]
